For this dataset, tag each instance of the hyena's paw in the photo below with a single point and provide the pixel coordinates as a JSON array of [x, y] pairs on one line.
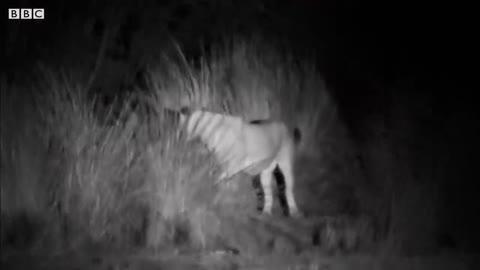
[[296, 214], [266, 213]]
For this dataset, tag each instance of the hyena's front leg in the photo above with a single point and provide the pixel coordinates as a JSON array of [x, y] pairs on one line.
[[266, 181]]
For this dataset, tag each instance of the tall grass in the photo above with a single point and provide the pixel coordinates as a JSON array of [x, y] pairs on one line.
[[100, 186], [249, 78], [131, 179]]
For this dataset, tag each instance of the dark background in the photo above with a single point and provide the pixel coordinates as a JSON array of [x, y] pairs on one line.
[[368, 51]]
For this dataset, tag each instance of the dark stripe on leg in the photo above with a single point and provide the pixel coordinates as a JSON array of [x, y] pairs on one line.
[[260, 196], [282, 198]]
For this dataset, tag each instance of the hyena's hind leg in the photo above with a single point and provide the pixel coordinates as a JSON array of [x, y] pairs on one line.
[[286, 167], [266, 182], [260, 196], [282, 198]]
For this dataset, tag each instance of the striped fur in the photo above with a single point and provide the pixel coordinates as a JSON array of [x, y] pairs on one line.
[[257, 148]]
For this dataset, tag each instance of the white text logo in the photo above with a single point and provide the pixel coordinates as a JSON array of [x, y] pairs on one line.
[[26, 13]]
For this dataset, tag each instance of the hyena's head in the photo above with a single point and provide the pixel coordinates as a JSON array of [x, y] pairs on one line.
[[184, 114], [178, 117]]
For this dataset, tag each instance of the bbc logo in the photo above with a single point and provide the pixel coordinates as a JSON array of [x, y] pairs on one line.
[[26, 13]]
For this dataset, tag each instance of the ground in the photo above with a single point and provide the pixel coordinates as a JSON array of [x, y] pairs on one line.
[[285, 250], [131, 261]]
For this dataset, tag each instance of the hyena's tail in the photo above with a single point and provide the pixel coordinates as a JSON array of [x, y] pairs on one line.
[[297, 135]]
